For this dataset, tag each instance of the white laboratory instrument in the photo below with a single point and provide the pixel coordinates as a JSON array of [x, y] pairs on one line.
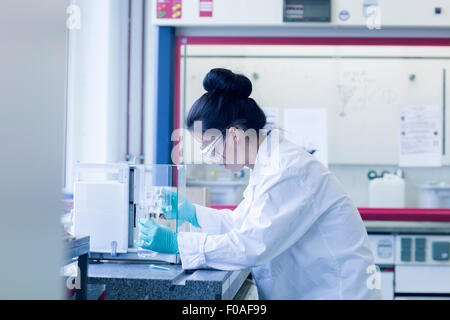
[[434, 195], [412, 266], [383, 249], [110, 198], [422, 266]]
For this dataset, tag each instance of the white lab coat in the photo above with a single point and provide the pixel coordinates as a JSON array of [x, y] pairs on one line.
[[296, 229]]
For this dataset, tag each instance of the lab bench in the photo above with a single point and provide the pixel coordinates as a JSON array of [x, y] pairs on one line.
[[138, 281]]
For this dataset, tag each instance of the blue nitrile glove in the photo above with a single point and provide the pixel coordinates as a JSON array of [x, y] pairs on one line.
[[155, 237], [186, 210]]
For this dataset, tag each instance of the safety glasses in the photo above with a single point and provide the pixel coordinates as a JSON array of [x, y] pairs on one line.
[[213, 153]]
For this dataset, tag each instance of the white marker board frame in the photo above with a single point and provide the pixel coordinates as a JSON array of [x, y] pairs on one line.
[[363, 88]]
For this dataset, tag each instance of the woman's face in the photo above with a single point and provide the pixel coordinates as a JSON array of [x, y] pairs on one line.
[[229, 152], [235, 157]]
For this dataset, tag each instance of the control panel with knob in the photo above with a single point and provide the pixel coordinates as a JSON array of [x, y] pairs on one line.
[[423, 249]]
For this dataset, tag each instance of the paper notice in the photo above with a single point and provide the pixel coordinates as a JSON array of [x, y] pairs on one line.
[[308, 127], [420, 136]]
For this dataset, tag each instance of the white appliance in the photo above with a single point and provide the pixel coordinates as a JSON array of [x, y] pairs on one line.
[[100, 203], [110, 198], [383, 248], [413, 266], [422, 267]]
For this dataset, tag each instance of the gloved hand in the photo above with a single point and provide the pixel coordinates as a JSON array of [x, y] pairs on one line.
[[155, 237], [186, 210]]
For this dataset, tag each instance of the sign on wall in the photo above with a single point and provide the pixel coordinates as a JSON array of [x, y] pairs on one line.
[[168, 9], [206, 8], [420, 136]]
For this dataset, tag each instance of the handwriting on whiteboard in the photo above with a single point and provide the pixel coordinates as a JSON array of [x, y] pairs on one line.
[[357, 90]]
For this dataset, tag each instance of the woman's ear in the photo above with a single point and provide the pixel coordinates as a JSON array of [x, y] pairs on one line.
[[234, 134]]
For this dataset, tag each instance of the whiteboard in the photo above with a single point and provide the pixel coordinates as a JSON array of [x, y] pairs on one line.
[[363, 94], [308, 127]]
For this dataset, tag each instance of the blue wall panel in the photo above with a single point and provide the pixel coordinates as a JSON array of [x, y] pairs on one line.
[[164, 113]]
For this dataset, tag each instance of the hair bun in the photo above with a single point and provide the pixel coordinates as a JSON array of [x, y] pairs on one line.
[[225, 81]]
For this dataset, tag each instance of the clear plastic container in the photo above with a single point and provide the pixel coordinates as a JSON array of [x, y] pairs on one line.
[[434, 195], [157, 184]]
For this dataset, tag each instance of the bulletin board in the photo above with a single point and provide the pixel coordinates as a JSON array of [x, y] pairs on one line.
[[362, 84]]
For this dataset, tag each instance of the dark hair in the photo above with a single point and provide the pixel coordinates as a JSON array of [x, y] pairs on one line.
[[226, 103]]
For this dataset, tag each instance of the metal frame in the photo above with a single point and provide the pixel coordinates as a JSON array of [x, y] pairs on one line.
[[79, 248], [344, 41], [136, 81], [403, 214]]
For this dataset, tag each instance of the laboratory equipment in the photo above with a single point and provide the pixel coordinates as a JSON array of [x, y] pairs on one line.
[[154, 266], [383, 249], [422, 266], [307, 11], [371, 12], [412, 265], [109, 199], [434, 195]]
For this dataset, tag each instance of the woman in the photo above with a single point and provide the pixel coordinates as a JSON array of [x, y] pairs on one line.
[[296, 228]]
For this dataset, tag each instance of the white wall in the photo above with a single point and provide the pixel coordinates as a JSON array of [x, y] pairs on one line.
[[396, 13], [97, 84], [32, 89]]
